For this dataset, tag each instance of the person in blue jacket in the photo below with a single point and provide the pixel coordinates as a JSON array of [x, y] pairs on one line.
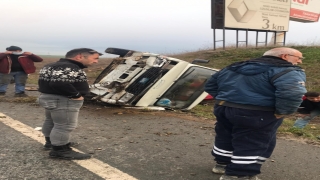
[[309, 109], [251, 99]]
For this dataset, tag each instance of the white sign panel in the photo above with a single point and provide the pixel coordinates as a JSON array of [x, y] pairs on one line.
[[305, 10], [271, 15]]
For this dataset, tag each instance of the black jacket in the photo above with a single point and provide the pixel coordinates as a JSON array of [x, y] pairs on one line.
[[307, 106], [64, 77]]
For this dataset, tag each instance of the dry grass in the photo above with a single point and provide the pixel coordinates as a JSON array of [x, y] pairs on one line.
[[29, 99], [219, 59]]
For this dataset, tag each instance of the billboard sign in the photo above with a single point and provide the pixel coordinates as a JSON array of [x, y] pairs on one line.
[[268, 15], [217, 14], [305, 10]]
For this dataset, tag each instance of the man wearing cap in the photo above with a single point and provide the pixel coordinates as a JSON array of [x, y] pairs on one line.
[[16, 64], [62, 85]]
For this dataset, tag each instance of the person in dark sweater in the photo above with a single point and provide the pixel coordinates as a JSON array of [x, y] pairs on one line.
[[309, 109], [62, 85], [15, 65]]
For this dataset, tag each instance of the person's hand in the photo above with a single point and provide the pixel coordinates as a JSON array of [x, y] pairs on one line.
[[27, 53], [8, 52], [80, 98]]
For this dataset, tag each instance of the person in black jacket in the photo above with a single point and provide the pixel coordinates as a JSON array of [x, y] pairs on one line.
[[309, 109], [62, 85]]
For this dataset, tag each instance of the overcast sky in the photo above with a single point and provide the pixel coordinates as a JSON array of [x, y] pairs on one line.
[[160, 26]]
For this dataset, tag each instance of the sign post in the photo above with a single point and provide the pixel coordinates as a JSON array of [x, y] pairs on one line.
[[261, 16], [271, 15]]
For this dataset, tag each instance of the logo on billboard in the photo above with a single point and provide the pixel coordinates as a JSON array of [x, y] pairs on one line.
[[242, 10], [302, 1]]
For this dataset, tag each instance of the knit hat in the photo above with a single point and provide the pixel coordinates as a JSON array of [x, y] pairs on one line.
[[13, 48]]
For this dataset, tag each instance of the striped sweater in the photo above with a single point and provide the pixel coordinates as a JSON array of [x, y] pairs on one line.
[[64, 77]]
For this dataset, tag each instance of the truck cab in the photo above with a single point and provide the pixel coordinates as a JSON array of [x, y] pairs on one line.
[[143, 79]]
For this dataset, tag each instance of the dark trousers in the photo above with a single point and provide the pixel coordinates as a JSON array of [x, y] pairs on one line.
[[244, 139]]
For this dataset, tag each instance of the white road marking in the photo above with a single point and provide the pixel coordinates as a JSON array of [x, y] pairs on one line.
[[94, 165]]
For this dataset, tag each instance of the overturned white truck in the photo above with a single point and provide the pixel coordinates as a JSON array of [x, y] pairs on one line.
[[141, 79]]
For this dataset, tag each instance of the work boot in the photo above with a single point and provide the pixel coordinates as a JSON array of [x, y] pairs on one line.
[[65, 152], [22, 94], [226, 177], [2, 93], [48, 145], [219, 168]]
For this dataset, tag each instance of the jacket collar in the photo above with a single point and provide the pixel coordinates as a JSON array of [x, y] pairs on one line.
[[274, 60], [73, 62], [268, 60]]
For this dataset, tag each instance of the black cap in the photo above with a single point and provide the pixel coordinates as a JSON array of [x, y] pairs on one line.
[[13, 48]]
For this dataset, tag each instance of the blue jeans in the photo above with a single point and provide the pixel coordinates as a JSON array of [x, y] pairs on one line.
[[302, 122], [61, 117], [20, 78]]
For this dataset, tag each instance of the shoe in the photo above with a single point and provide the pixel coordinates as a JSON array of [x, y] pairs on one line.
[[48, 146], [65, 152], [21, 95], [226, 177], [2, 93], [72, 144], [219, 169]]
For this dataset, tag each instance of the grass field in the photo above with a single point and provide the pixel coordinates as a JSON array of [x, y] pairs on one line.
[[221, 58]]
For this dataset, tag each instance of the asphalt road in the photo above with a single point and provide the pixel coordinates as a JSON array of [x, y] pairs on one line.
[[146, 146]]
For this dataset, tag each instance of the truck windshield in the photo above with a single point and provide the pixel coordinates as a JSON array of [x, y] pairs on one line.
[[186, 89]]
